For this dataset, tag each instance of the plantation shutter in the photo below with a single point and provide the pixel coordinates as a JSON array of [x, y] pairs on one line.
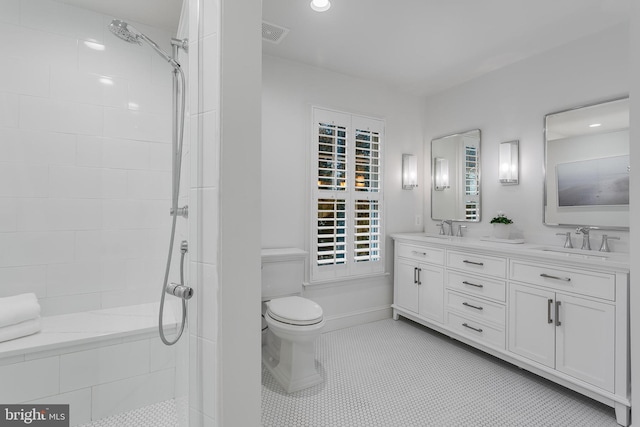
[[347, 235]]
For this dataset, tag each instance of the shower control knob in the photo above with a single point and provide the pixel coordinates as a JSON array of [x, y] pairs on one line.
[[180, 291]]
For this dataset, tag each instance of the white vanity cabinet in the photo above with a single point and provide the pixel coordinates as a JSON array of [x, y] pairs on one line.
[[563, 317], [419, 281]]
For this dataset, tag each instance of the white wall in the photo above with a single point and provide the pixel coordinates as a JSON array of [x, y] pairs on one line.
[[84, 174], [289, 91], [511, 103]]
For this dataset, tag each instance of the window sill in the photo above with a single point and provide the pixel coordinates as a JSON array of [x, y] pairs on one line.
[[340, 281]]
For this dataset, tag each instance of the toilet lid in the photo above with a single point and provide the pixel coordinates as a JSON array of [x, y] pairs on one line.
[[295, 311]]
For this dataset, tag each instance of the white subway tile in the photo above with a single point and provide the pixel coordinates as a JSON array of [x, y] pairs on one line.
[[207, 303], [103, 365], [59, 18], [127, 214], [19, 280], [60, 116], [29, 380], [9, 109], [79, 402], [113, 153], [143, 390], [58, 214], [161, 356], [10, 11], [149, 185], [118, 59], [210, 90], [35, 248], [8, 214], [160, 157], [88, 88], [23, 180], [209, 149], [84, 277], [48, 48], [52, 306], [150, 98], [129, 124], [24, 146], [24, 76], [86, 183], [210, 17], [208, 222], [202, 387]]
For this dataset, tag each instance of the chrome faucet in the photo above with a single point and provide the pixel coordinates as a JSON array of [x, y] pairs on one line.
[[460, 227], [449, 222], [441, 225], [604, 246], [586, 244], [567, 239]]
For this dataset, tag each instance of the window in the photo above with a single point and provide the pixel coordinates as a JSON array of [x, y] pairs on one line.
[[471, 193], [347, 203]]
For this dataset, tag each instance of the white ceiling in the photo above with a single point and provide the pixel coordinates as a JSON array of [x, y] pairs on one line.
[[418, 46], [423, 46]]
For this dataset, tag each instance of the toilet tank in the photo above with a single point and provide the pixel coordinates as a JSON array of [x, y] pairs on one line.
[[283, 272]]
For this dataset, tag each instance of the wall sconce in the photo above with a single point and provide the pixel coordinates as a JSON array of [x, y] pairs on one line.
[[409, 171], [440, 173], [509, 162]]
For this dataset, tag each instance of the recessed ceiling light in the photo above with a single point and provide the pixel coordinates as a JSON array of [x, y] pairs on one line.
[[595, 125], [320, 5]]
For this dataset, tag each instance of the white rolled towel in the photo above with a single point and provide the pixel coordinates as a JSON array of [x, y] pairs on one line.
[[22, 329], [18, 308]]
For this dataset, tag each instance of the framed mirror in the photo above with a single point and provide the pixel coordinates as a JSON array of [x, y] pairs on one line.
[[455, 177], [587, 166]]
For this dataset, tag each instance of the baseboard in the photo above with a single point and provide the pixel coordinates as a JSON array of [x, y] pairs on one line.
[[355, 318]]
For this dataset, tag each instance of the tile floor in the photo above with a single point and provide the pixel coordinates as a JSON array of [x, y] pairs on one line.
[[399, 374], [161, 414]]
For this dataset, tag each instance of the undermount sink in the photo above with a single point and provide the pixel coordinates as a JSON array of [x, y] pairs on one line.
[[574, 253], [438, 236]]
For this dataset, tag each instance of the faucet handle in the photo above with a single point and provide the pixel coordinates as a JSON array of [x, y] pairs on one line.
[[441, 225], [567, 239], [460, 227], [604, 247]]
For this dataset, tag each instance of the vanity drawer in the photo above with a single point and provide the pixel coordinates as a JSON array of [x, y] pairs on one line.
[[476, 285], [483, 264], [479, 331], [475, 308], [595, 284], [420, 253]]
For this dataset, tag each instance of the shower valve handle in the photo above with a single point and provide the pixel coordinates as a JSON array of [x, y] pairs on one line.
[[180, 291]]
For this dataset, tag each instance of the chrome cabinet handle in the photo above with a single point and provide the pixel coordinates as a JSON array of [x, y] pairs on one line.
[[472, 284], [471, 327], [419, 281], [548, 276], [472, 306], [558, 323], [419, 253], [415, 275], [466, 261], [549, 304]]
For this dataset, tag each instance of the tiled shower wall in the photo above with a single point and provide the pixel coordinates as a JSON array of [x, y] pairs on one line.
[[85, 159]]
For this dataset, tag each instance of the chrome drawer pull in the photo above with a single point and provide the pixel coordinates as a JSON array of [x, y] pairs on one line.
[[558, 323], [419, 253], [472, 284], [549, 304], [548, 276], [471, 327], [466, 261], [415, 275], [472, 306]]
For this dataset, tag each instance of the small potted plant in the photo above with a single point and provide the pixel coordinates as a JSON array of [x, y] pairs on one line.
[[501, 226]]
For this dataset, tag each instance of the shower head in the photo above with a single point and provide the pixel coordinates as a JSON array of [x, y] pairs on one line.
[[124, 31], [130, 34]]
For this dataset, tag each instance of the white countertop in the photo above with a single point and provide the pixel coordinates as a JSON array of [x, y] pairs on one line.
[[616, 261]]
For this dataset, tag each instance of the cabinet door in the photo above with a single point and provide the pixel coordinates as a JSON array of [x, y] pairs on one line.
[[431, 286], [585, 340], [406, 285], [531, 325]]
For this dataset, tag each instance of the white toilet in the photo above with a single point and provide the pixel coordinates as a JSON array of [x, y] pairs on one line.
[[293, 323]]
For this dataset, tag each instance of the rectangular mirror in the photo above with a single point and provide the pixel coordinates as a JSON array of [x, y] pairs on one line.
[[587, 166], [455, 177]]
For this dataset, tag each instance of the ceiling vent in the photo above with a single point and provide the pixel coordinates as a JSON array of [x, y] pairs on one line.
[[273, 33]]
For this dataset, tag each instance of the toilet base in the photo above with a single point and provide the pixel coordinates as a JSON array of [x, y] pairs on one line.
[[294, 369]]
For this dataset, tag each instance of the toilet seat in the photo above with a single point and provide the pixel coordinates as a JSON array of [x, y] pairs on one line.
[[295, 310]]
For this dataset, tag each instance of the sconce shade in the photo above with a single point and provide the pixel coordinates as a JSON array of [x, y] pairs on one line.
[[409, 171], [440, 173], [509, 162]]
